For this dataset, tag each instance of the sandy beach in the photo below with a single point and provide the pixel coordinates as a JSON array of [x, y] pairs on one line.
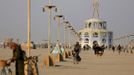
[[109, 64]]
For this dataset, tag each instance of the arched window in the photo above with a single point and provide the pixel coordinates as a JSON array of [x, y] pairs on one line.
[[100, 25], [103, 40], [89, 25], [103, 34], [86, 34], [104, 25], [86, 40], [80, 33], [95, 34]]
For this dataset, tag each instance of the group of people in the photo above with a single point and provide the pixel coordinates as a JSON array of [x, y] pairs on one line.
[[119, 48], [98, 50]]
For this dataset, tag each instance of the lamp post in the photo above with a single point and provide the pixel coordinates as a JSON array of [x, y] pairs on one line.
[[69, 39], [76, 34], [58, 17], [75, 37], [72, 31], [28, 28], [49, 8], [66, 23], [28, 33]]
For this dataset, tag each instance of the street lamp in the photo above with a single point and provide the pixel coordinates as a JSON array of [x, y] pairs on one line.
[[49, 8], [77, 35], [58, 17], [69, 35], [66, 23], [72, 33], [74, 36]]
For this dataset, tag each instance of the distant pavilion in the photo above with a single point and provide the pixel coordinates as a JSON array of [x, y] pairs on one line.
[[95, 30]]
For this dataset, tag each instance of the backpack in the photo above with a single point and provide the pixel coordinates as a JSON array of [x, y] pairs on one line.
[[78, 58]]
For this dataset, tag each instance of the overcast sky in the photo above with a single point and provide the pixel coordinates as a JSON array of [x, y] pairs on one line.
[[119, 15]]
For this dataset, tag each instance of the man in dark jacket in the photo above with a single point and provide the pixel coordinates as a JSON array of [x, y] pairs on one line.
[[17, 58], [76, 51]]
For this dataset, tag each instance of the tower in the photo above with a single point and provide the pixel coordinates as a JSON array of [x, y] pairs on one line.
[[95, 9]]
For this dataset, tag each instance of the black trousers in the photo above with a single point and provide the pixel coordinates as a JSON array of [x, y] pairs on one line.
[[19, 67]]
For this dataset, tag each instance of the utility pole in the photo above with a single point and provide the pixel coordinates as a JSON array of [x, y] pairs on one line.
[[58, 17]]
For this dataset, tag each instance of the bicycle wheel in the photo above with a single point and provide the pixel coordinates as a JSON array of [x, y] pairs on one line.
[[3, 72], [9, 72], [6, 72]]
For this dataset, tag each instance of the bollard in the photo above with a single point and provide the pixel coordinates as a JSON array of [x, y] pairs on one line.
[[49, 61], [69, 54], [66, 54], [59, 57]]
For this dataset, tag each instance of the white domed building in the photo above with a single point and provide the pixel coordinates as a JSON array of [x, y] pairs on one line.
[[95, 31]]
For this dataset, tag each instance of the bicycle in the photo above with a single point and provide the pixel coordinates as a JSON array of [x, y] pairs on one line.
[[31, 66], [5, 67]]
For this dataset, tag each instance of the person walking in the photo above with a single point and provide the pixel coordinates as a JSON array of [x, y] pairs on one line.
[[76, 52]]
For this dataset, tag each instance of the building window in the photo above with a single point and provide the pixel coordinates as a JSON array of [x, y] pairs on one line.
[[89, 25], [103, 40], [100, 26], [103, 34], [86, 40], [95, 34], [86, 34], [80, 33], [104, 25]]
